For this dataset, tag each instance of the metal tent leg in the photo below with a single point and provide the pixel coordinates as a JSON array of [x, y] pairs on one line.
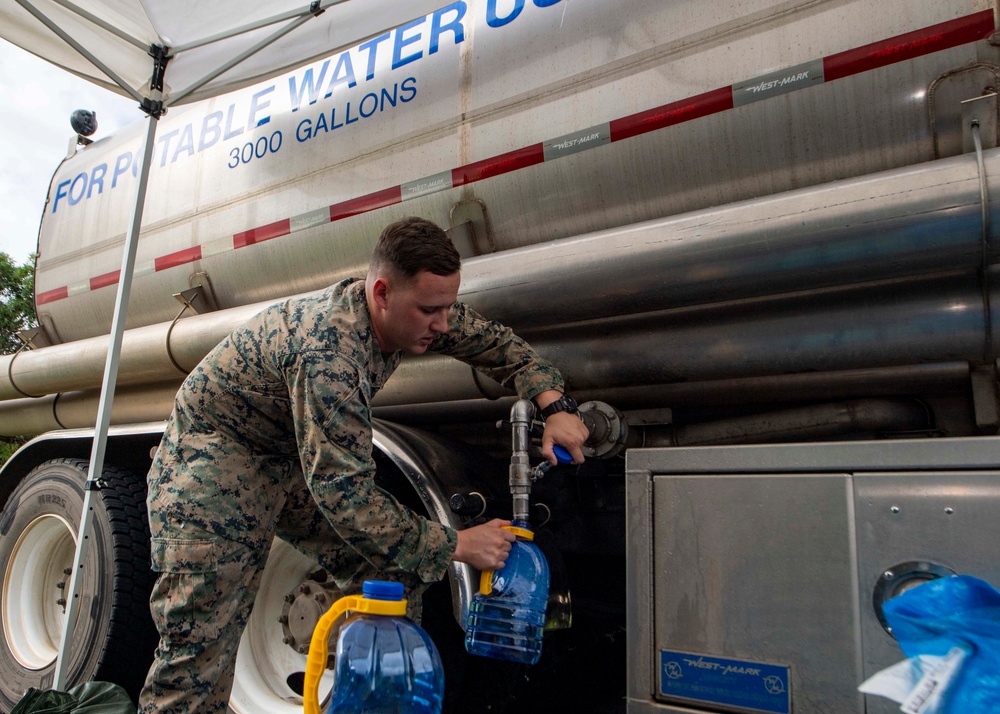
[[104, 406]]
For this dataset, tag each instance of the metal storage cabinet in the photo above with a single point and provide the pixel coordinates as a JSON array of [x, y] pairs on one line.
[[754, 571]]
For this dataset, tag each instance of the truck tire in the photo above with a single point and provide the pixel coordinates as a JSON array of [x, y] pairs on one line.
[[115, 637], [269, 674]]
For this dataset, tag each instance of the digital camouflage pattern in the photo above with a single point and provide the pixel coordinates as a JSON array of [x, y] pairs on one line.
[[272, 433]]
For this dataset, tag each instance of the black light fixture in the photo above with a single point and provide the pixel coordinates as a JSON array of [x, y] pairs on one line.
[[84, 123]]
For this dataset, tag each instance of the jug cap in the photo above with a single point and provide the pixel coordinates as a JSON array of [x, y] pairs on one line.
[[382, 590]]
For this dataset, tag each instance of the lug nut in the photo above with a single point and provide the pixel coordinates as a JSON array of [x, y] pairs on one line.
[[287, 640], [289, 598], [302, 649], [283, 619]]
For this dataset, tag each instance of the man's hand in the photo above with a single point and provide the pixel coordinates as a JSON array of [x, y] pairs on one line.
[[484, 547], [566, 430], [561, 428]]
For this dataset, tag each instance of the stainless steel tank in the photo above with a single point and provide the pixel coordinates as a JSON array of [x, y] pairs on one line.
[[534, 121]]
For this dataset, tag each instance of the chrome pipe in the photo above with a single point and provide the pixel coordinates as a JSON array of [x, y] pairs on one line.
[[901, 250], [521, 415], [937, 379], [133, 404], [882, 325], [917, 220]]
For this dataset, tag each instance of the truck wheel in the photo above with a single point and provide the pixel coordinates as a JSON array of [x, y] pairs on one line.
[[269, 673], [114, 637]]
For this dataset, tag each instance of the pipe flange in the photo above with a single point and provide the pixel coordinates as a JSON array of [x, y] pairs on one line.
[[901, 577], [608, 430]]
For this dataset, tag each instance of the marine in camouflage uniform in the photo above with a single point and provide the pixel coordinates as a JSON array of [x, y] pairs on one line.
[[272, 434]]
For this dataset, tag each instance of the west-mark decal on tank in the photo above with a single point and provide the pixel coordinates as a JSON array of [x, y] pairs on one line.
[[428, 184], [704, 679], [578, 141], [781, 82]]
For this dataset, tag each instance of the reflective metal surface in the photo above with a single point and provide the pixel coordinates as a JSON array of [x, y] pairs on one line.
[[413, 452], [771, 554], [551, 71], [786, 284]]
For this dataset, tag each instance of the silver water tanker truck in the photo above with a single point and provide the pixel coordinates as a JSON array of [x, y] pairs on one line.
[[757, 238]]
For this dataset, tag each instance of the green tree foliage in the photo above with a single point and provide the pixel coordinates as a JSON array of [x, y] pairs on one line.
[[17, 312], [8, 445], [17, 305]]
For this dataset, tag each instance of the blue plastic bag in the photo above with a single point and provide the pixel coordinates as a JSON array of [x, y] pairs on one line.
[[949, 629]]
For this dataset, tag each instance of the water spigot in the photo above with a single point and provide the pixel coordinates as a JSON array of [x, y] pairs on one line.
[[521, 415]]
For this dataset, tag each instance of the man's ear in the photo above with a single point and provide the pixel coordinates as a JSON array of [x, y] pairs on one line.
[[380, 293]]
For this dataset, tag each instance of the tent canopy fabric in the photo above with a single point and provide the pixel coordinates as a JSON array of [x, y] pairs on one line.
[[201, 36]]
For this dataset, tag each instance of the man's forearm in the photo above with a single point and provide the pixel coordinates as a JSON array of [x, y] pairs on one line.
[[543, 399]]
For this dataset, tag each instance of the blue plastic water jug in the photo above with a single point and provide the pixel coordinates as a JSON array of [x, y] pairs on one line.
[[507, 615], [386, 664]]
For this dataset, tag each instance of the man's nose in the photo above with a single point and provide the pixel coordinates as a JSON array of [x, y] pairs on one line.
[[440, 322]]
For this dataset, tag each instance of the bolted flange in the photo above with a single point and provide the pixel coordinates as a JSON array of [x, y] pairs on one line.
[[304, 604]]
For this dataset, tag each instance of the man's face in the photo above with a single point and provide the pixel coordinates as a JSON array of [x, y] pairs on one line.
[[415, 311]]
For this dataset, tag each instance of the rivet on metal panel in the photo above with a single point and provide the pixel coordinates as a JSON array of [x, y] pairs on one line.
[[894, 509]]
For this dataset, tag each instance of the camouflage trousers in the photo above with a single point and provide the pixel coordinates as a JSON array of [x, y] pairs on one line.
[[209, 545]]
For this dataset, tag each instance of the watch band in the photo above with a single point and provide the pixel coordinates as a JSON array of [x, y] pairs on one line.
[[565, 403]]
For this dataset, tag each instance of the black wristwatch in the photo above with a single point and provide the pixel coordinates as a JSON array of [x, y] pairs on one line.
[[565, 403]]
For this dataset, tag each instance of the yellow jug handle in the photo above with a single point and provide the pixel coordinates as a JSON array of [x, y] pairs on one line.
[[319, 648], [486, 577]]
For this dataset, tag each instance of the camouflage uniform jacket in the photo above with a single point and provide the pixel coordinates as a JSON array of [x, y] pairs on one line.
[[296, 382]]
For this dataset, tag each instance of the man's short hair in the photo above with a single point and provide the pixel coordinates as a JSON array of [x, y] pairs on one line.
[[414, 244]]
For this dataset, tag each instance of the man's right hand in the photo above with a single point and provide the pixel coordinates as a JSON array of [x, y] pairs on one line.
[[485, 547]]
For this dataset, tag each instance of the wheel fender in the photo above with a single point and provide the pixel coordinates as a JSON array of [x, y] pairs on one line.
[[436, 469]]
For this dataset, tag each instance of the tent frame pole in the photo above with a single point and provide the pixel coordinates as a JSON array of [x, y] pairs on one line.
[[108, 27], [237, 59], [65, 37], [96, 468], [315, 8]]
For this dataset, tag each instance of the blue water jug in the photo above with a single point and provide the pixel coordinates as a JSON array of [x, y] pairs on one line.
[[507, 615], [386, 664]]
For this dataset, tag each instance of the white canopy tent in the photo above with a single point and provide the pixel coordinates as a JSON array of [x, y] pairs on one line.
[[172, 52], [214, 47]]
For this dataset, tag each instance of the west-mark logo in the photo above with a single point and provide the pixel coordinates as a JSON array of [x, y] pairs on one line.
[[578, 141], [570, 143], [432, 185], [764, 86], [723, 669], [772, 84], [672, 670]]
